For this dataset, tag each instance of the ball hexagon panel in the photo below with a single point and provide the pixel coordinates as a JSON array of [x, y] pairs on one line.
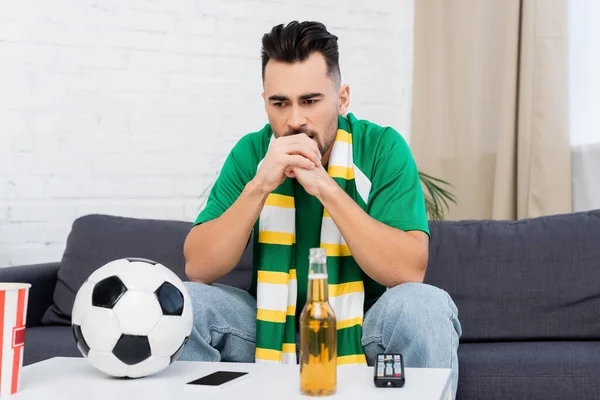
[[138, 312], [107, 363], [140, 276], [147, 367], [110, 269], [132, 349], [170, 299], [101, 329], [83, 301], [108, 292], [167, 337]]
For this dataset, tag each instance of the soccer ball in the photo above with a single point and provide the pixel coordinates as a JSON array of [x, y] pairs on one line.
[[132, 318]]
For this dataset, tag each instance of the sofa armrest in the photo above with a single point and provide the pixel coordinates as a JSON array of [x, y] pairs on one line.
[[42, 278]]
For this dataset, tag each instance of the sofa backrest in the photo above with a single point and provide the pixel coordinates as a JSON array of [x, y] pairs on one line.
[[530, 279], [511, 280], [97, 239]]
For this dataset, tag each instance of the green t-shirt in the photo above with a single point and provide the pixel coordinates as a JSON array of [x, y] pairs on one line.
[[382, 155]]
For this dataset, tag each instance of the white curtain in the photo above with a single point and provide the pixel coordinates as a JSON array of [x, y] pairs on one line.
[[490, 105], [584, 102]]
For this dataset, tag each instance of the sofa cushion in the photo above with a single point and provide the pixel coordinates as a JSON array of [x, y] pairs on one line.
[[96, 239], [536, 278], [44, 342], [42, 278], [529, 370]]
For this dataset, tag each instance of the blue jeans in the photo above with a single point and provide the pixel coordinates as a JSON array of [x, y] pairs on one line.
[[415, 319]]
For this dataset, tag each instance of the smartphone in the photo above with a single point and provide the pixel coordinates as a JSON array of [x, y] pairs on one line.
[[218, 378]]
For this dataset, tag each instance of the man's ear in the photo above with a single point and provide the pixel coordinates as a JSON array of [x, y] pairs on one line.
[[344, 96], [264, 97]]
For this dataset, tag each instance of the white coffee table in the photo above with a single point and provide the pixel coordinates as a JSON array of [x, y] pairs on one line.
[[75, 378]]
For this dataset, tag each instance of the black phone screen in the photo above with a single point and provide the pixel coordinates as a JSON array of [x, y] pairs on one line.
[[217, 378]]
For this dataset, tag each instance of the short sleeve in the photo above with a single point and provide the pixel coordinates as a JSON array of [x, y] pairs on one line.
[[396, 197], [237, 171]]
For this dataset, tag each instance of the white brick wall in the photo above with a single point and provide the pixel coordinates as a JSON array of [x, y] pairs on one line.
[[129, 107]]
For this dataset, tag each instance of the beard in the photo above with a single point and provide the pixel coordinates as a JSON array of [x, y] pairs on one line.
[[329, 136], [324, 140]]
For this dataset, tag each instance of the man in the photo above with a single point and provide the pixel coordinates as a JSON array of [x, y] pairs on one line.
[[314, 177]]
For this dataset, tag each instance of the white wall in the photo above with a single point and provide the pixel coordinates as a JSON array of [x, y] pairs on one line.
[[129, 107]]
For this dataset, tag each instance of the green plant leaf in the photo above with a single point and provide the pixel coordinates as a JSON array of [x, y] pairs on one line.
[[436, 196]]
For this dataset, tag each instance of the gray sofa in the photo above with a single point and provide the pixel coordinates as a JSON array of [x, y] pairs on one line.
[[528, 294]]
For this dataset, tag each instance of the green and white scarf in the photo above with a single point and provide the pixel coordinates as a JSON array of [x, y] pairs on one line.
[[276, 274]]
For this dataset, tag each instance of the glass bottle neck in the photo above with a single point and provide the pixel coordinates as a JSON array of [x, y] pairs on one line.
[[317, 282]]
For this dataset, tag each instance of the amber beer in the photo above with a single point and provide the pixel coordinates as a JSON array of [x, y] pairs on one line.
[[318, 334]]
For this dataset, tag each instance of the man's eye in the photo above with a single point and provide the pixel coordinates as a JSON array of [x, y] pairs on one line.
[[278, 104], [310, 101]]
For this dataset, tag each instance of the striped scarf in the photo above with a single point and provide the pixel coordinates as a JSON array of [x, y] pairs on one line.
[[276, 274]]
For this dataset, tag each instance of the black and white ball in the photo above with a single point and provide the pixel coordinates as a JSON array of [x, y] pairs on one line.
[[132, 318]]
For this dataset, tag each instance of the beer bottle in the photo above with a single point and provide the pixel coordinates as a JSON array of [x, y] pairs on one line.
[[318, 333]]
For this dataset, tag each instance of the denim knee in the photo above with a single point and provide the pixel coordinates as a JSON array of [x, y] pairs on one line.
[[196, 289], [415, 292], [418, 305], [199, 292]]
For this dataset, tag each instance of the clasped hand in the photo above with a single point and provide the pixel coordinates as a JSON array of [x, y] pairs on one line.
[[295, 156]]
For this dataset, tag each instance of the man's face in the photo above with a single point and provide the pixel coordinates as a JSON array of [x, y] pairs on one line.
[[301, 98]]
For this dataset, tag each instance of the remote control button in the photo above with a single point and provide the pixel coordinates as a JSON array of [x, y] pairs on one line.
[[389, 372], [397, 358]]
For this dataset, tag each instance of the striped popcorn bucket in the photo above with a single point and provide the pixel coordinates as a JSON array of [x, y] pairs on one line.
[[13, 312]]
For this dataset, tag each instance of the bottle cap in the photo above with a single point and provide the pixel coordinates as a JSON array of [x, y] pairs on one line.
[[317, 252]]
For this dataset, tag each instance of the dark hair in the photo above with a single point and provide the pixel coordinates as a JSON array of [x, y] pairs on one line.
[[297, 41]]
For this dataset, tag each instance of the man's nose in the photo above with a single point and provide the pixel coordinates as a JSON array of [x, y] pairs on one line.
[[296, 120]]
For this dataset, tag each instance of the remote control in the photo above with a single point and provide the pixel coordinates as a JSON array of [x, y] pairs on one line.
[[389, 370]]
